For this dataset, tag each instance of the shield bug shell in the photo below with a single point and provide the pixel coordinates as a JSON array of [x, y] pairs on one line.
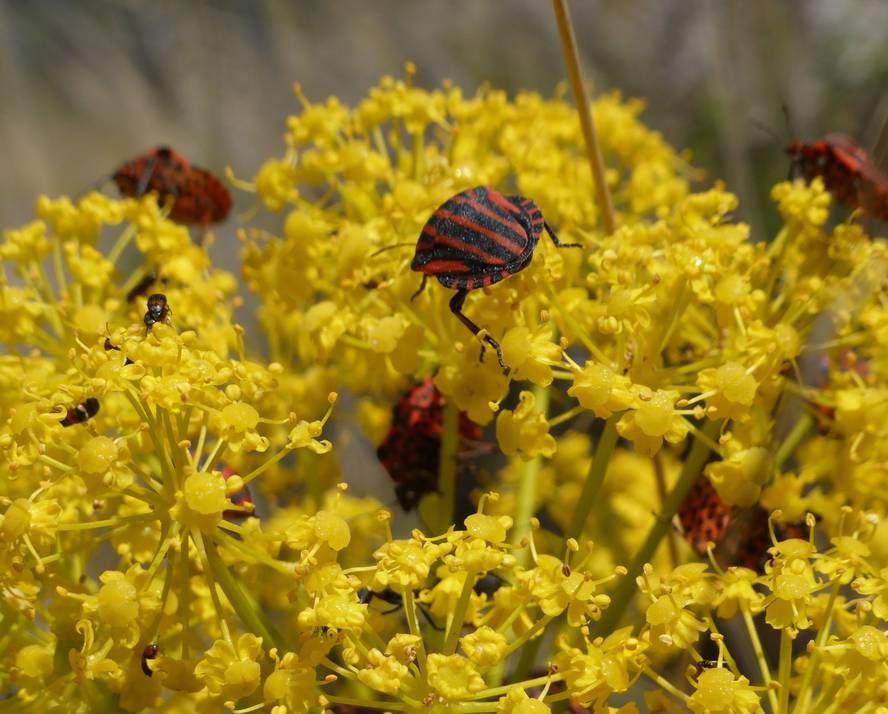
[[411, 449], [741, 535], [475, 239], [196, 197], [847, 171]]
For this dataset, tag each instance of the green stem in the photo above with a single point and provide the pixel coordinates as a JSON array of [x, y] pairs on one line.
[[799, 431], [528, 485], [625, 591], [594, 479], [759, 654], [783, 671], [245, 608], [459, 616], [806, 691], [593, 150], [447, 467]]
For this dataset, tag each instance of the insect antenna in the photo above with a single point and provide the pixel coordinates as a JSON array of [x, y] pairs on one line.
[[392, 247]]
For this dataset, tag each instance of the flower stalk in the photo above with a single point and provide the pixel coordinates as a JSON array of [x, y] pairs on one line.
[[602, 195]]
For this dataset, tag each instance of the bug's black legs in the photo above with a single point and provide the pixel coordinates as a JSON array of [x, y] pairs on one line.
[[145, 178], [456, 303], [557, 242], [421, 287]]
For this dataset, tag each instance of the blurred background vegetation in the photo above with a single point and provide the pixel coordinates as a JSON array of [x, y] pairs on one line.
[[88, 84]]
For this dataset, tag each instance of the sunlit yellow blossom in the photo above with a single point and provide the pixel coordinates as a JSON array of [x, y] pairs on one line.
[[600, 389], [453, 676], [718, 691], [516, 701], [524, 431], [652, 420], [230, 671]]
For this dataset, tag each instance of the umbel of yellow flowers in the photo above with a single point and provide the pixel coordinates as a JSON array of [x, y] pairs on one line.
[[677, 347]]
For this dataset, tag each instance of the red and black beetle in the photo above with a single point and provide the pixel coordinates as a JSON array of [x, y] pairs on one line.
[[411, 449], [475, 239], [196, 196], [847, 172]]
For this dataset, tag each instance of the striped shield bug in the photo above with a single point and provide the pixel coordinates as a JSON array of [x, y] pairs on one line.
[[196, 197], [847, 172], [741, 535], [411, 449], [475, 239]]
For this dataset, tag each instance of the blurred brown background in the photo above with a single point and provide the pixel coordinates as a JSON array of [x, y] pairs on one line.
[[87, 84]]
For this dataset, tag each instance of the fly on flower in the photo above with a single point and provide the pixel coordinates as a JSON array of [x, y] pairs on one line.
[[79, 414], [410, 450], [196, 197], [741, 535], [158, 310], [475, 239], [847, 171]]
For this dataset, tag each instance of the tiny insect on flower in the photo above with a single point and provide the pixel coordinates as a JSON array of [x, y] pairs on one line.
[[79, 414], [239, 497], [158, 310], [741, 535], [475, 239], [411, 448], [196, 196], [150, 652], [847, 171]]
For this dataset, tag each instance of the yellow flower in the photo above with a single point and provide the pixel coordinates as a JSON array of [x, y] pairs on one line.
[[453, 676], [230, 670], [292, 684], [530, 354], [524, 431], [600, 389], [384, 674], [516, 701], [717, 691], [652, 419], [485, 646], [729, 389]]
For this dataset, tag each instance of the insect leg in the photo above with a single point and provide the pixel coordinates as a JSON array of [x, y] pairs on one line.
[[420, 288], [456, 303], [557, 242], [145, 177]]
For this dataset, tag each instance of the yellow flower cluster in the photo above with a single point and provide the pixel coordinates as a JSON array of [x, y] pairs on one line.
[[175, 532]]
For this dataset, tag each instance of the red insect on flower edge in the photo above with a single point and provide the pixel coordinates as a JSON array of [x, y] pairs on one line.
[[196, 197], [239, 497], [847, 172], [411, 449], [475, 239], [741, 535]]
